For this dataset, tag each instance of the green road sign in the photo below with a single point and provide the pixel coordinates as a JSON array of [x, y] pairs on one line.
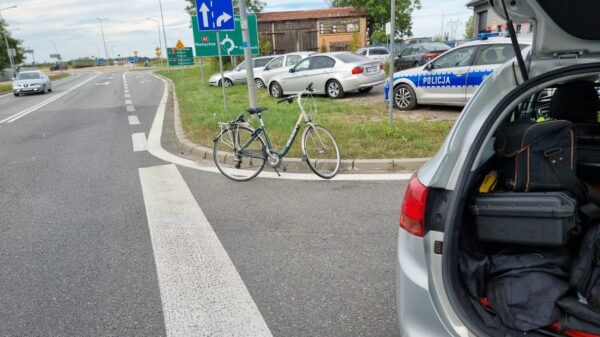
[[231, 42], [180, 57]]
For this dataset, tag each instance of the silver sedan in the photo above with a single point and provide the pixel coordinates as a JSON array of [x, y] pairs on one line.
[[31, 81], [332, 74]]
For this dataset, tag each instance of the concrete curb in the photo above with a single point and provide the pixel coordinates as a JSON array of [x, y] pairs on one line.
[[295, 165]]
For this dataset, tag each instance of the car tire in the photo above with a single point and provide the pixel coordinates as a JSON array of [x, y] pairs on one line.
[[364, 90], [334, 89], [228, 83], [16, 95], [259, 83], [275, 90], [404, 97], [50, 89], [44, 90]]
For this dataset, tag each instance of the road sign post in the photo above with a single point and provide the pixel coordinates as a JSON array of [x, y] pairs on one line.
[[222, 75], [248, 55]]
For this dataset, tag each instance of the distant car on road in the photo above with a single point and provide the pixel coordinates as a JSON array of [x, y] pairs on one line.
[[31, 81], [332, 74], [453, 77], [375, 53], [238, 74], [278, 65], [418, 54]]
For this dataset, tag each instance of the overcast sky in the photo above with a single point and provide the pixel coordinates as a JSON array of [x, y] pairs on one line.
[[72, 24]]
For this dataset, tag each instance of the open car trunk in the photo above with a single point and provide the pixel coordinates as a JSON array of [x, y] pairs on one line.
[[519, 231]]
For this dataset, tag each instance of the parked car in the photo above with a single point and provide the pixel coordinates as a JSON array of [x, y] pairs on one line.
[[278, 65], [453, 77], [375, 53], [332, 74], [418, 54], [31, 81], [238, 74], [433, 294]]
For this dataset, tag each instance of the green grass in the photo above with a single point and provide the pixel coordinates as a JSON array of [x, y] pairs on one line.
[[5, 88], [361, 130], [58, 76]]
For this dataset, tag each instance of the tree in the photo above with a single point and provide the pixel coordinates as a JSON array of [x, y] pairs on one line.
[[255, 6], [264, 44], [355, 43], [378, 13], [469, 28], [12, 43]]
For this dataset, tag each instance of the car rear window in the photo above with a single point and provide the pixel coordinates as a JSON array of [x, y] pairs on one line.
[[438, 47], [349, 58], [28, 76]]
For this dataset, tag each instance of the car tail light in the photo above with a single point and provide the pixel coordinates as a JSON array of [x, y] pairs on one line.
[[381, 66], [412, 218], [431, 56], [357, 70]]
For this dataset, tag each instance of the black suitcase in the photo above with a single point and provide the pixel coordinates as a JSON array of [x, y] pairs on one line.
[[535, 218]]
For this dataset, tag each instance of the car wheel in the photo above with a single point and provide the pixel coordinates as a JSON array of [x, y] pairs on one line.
[[275, 90], [50, 89], [259, 83], [367, 89], [228, 83], [334, 89], [16, 95], [44, 90], [404, 97]]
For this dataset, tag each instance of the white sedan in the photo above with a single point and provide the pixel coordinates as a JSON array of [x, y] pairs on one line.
[[332, 74]]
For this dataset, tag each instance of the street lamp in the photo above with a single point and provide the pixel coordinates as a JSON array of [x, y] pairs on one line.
[[12, 64], [159, 42], [162, 18], [103, 40]]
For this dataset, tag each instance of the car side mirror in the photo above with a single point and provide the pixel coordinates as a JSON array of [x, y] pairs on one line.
[[292, 70], [429, 66]]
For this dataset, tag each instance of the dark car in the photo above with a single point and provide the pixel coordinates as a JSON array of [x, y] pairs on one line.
[[418, 54]]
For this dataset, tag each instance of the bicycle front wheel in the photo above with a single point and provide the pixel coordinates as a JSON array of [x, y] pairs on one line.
[[237, 155], [322, 152]]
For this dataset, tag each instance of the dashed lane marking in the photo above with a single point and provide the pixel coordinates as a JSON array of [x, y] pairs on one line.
[[134, 120], [139, 142]]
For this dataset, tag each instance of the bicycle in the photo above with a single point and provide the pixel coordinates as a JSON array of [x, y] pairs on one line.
[[240, 152]]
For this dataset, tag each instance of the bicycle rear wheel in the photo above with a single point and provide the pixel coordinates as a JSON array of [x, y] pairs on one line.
[[322, 151], [234, 162]]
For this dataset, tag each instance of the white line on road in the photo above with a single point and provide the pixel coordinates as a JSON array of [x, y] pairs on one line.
[[128, 101], [202, 293], [127, 95], [134, 120], [139, 142], [130, 108], [156, 149], [27, 111]]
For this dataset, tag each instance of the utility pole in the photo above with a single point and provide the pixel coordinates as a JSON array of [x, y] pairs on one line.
[[392, 57], [5, 31], [159, 41], [103, 39], [162, 18], [248, 54]]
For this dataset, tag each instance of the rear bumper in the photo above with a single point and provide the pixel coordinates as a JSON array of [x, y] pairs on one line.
[[362, 81], [416, 314]]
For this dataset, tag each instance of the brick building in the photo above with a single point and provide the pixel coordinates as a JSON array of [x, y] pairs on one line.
[[309, 30]]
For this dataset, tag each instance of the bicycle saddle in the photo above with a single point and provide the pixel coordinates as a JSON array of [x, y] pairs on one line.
[[256, 110]]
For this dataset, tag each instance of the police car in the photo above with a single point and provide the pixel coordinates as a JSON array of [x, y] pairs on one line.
[[453, 77]]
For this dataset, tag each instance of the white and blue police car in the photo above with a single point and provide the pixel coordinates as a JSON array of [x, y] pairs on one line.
[[453, 77]]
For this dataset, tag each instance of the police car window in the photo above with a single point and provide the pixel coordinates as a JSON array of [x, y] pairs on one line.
[[277, 63], [457, 58], [304, 64], [495, 54], [293, 59]]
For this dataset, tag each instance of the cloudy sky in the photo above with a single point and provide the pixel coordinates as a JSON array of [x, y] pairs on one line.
[[72, 24]]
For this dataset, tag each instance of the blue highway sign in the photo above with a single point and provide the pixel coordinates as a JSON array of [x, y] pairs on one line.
[[215, 15]]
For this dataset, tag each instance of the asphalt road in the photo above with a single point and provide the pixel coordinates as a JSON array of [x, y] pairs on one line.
[[101, 238]]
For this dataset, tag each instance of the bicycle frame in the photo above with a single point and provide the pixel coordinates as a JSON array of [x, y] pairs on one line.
[[262, 130]]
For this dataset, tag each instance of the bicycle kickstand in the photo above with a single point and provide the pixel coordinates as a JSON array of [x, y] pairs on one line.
[[274, 168]]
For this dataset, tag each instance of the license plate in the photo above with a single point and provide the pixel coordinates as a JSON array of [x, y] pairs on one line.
[[371, 69]]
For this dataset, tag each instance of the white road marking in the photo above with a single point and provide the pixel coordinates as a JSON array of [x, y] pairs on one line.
[[134, 120], [103, 83], [201, 292], [127, 95], [130, 108], [10, 93], [27, 111], [156, 149], [139, 142], [128, 102]]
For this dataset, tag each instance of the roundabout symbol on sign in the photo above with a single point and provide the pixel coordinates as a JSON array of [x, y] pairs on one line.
[[228, 40]]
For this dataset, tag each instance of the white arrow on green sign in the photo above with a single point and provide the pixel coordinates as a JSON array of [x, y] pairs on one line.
[[231, 41]]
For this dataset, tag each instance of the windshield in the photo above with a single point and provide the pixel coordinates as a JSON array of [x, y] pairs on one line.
[[28, 76], [349, 58]]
